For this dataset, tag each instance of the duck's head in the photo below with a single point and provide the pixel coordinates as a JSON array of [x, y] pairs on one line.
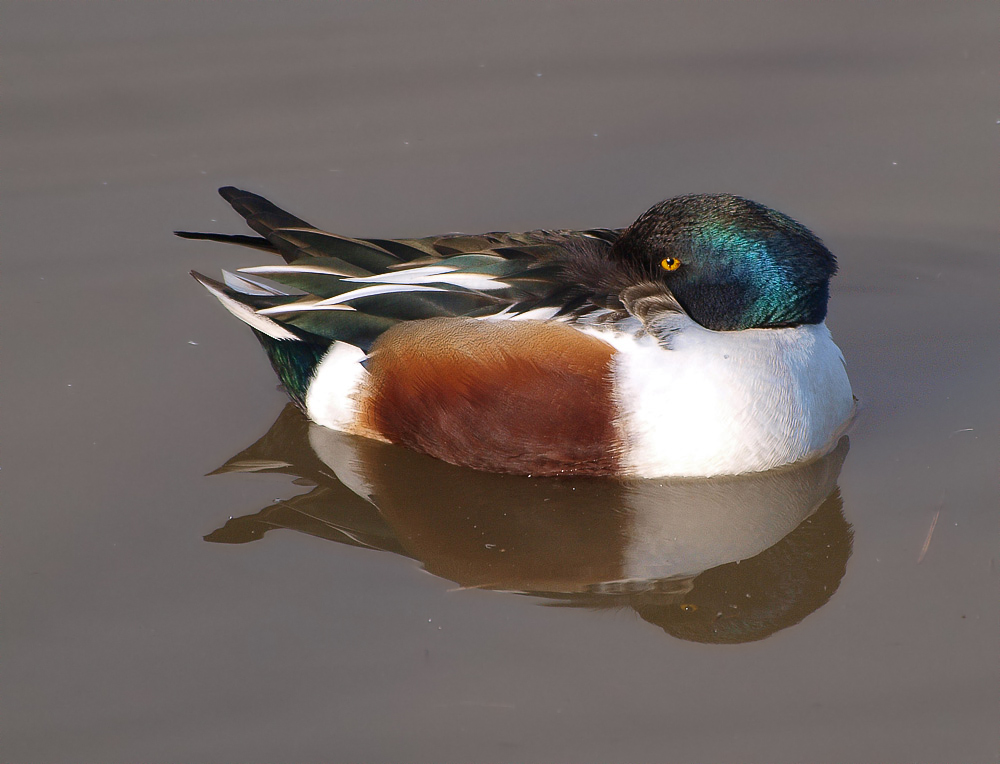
[[730, 262]]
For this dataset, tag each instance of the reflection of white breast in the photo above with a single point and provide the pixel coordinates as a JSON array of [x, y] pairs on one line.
[[723, 403], [688, 526], [668, 528]]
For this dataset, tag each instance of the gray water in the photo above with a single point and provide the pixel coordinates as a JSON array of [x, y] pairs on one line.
[[305, 627]]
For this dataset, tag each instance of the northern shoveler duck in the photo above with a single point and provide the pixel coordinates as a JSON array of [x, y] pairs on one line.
[[691, 343]]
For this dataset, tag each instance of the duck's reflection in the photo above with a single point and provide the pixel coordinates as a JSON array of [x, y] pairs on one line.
[[723, 560]]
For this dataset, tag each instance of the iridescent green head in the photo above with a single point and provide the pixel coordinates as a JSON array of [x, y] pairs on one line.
[[730, 262]]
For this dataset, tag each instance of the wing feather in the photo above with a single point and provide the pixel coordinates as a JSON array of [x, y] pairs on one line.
[[335, 287]]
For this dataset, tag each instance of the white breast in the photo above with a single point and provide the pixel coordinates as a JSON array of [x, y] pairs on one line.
[[723, 403]]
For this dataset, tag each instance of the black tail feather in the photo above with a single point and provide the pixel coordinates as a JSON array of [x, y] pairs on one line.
[[256, 242], [261, 215]]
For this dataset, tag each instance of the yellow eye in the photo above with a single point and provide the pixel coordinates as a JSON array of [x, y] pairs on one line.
[[670, 263], [688, 607]]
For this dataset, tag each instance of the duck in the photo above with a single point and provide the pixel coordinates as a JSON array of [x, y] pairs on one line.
[[690, 344]]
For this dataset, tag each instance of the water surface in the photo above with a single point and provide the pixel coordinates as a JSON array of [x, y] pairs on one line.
[[341, 631]]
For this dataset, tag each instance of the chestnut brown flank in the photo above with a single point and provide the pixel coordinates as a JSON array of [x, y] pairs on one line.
[[522, 397]]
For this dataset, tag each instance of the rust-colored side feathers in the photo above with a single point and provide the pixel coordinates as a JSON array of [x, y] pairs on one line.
[[520, 397]]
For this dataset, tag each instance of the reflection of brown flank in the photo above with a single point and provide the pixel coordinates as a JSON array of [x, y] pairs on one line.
[[522, 397]]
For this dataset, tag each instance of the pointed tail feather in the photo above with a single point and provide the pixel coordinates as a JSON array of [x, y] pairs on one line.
[[256, 242], [294, 354], [294, 239], [261, 215], [241, 306]]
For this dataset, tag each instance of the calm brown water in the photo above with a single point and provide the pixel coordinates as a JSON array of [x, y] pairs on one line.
[[305, 627]]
